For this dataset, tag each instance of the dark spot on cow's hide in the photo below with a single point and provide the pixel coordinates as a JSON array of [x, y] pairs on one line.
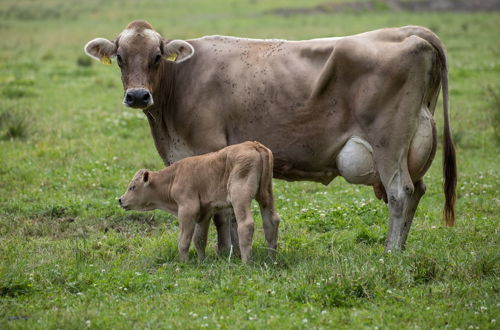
[[382, 142]]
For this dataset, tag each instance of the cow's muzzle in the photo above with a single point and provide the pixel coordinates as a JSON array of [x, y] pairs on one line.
[[138, 98]]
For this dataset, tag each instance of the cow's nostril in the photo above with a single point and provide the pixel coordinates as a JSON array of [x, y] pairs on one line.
[[129, 98], [120, 201], [146, 97]]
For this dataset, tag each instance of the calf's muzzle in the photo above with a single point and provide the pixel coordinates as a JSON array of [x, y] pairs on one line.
[[138, 98]]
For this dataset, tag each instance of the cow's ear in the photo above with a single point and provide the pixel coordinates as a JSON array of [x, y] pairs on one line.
[[101, 49], [177, 50]]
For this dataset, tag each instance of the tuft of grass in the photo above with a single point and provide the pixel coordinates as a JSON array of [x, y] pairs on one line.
[[84, 61], [15, 289], [14, 124], [425, 268], [366, 236], [494, 96], [17, 92]]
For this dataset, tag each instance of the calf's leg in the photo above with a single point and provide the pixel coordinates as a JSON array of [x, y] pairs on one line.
[[270, 221], [227, 232], [200, 238], [244, 219], [187, 222], [233, 230]]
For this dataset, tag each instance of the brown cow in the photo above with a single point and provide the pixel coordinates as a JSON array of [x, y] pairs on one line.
[[360, 106], [194, 187]]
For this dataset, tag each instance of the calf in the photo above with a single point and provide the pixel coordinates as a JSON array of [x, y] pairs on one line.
[[194, 188]]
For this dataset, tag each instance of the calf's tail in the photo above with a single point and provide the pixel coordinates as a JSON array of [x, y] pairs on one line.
[[266, 178]]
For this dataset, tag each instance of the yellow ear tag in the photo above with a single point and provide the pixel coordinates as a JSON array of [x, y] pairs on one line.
[[106, 60], [172, 57]]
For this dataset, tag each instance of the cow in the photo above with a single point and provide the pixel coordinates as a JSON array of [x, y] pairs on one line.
[[359, 106], [195, 187]]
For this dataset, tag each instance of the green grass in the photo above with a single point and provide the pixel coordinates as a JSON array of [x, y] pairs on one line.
[[70, 258]]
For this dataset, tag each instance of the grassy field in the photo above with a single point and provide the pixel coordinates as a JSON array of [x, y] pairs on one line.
[[71, 258]]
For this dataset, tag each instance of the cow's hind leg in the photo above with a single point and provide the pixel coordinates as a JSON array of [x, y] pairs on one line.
[[418, 192], [400, 190], [399, 101]]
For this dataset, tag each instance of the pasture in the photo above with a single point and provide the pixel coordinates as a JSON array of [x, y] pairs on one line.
[[71, 258]]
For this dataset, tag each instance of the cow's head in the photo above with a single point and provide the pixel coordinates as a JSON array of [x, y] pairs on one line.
[[141, 54], [140, 194]]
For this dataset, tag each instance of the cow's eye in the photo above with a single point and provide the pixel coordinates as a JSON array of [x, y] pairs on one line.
[[157, 59], [119, 60]]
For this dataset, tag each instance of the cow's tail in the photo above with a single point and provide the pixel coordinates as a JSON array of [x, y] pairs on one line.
[[449, 158], [266, 178]]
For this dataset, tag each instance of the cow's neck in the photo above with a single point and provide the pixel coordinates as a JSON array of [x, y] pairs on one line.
[[158, 114], [163, 94]]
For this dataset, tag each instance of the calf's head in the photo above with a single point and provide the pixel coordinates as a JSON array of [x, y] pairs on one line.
[[142, 54], [140, 195]]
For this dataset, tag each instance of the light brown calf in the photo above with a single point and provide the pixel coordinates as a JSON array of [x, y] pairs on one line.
[[194, 188]]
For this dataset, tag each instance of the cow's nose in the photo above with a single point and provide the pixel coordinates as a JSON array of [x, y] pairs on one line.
[[138, 98]]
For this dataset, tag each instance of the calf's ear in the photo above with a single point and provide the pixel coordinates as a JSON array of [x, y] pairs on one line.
[[177, 50], [101, 49]]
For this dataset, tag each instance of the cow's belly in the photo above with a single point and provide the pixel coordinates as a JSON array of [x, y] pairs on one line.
[[302, 154], [355, 161]]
